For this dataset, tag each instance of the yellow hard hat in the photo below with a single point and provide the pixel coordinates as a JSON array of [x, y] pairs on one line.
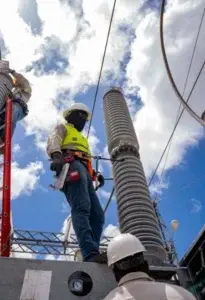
[[77, 106]]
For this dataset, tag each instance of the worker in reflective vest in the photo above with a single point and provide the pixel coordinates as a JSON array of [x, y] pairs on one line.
[[67, 142]]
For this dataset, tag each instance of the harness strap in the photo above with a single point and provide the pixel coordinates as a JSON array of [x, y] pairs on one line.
[[22, 104], [85, 159]]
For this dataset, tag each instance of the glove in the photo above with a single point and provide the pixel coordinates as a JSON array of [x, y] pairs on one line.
[[100, 179], [57, 163]]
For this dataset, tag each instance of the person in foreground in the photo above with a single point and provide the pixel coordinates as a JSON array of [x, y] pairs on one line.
[[131, 271]]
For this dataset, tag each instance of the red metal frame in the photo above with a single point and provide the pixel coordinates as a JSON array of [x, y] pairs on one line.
[[6, 199]]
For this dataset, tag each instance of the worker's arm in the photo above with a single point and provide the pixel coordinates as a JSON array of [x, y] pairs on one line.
[[22, 82], [55, 139]]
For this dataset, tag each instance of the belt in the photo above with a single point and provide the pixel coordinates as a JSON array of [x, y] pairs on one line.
[[23, 105], [77, 154], [84, 158]]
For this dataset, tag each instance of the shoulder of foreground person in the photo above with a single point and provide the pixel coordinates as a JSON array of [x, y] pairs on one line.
[[154, 289]]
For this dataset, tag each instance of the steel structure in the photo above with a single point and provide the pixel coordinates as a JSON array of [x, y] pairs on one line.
[[167, 239], [43, 243], [23, 279], [194, 261]]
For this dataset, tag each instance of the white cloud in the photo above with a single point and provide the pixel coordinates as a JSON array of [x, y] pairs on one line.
[[93, 141], [155, 121], [24, 180], [50, 257], [107, 163], [83, 44], [196, 206], [23, 254], [20, 254], [57, 257], [111, 231], [83, 49], [158, 187], [16, 148], [18, 56], [55, 16]]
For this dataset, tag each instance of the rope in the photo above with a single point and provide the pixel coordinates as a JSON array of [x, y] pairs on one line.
[[101, 68], [109, 200]]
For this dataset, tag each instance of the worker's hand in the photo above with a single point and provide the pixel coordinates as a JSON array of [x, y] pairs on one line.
[[100, 179], [57, 163]]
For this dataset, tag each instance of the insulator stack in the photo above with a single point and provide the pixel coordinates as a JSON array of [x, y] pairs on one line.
[[135, 210]]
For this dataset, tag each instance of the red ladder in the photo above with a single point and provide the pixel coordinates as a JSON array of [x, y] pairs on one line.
[[5, 236]]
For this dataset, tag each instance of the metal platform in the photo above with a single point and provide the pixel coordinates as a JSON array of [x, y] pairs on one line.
[[23, 279]]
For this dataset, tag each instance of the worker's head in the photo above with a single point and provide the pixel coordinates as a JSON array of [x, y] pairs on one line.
[[77, 115], [125, 255]]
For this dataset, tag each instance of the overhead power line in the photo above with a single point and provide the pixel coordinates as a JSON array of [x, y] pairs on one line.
[[185, 85], [109, 200], [178, 114], [175, 126], [186, 186], [101, 68], [169, 73], [178, 118]]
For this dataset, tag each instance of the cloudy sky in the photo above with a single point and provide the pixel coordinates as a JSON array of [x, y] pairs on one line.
[[58, 46]]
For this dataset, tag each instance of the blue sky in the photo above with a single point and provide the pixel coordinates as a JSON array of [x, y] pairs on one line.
[[45, 210], [63, 66]]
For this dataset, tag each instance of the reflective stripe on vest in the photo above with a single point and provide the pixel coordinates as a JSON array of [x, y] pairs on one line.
[[74, 140]]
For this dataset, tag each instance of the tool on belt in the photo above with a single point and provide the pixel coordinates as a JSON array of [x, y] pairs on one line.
[[60, 179], [74, 175]]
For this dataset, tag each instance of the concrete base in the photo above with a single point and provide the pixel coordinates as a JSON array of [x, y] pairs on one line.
[[23, 279]]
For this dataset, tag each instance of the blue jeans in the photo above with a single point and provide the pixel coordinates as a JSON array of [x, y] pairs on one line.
[[17, 115], [86, 211]]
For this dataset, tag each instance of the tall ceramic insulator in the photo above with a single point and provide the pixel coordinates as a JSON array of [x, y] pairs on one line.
[[135, 210]]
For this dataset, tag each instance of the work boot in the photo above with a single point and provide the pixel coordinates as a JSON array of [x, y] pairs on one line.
[[100, 258]]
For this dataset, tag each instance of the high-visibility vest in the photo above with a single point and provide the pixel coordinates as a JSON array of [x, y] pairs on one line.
[[74, 140]]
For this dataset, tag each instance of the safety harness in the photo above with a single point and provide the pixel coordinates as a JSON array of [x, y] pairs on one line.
[[66, 175], [84, 158], [17, 97]]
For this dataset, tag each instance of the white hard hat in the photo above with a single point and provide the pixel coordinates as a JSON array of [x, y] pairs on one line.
[[77, 106], [122, 246]]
